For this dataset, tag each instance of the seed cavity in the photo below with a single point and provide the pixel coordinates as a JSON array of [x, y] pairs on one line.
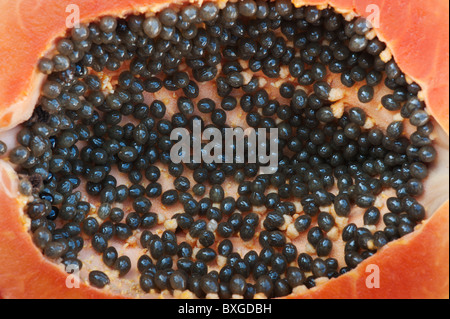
[[265, 65]]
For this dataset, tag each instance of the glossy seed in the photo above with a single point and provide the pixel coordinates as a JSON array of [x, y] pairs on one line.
[[98, 279], [365, 94], [152, 27]]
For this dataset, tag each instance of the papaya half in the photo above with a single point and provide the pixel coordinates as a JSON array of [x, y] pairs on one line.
[[416, 35]]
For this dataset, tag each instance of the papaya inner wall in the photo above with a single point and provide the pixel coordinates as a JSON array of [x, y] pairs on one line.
[[437, 183]]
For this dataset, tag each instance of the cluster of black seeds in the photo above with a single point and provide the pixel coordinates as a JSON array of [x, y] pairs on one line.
[[77, 133]]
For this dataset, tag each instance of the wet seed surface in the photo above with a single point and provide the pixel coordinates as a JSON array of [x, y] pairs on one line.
[[107, 199]]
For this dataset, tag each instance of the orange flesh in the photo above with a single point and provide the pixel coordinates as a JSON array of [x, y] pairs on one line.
[[432, 201]]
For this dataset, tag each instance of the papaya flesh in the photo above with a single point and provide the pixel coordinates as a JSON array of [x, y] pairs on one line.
[[416, 266]]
